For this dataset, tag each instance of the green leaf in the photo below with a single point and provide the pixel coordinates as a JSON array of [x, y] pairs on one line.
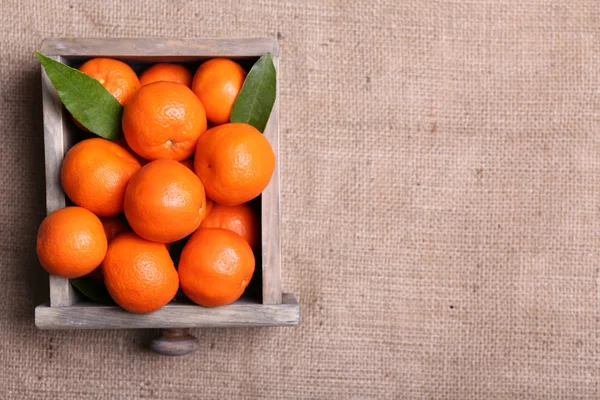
[[255, 101], [85, 98], [92, 290]]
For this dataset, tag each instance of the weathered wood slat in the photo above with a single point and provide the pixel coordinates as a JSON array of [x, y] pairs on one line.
[[240, 314], [62, 294], [270, 218], [159, 47], [56, 141]]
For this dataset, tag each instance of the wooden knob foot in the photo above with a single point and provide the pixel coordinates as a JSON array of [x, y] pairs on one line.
[[175, 342]]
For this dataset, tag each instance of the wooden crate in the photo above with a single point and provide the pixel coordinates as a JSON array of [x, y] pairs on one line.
[[66, 309]]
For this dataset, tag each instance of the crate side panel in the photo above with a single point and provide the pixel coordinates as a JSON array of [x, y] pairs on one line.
[[270, 218], [245, 47], [239, 314], [56, 141]]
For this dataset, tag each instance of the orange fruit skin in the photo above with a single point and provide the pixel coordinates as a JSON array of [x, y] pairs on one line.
[[139, 274], [116, 76], [189, 163], [165, 201], [71, 242], [217, 83], [95, 173], [240, 219], [235, 163], [166, 72], [215, 267], [112, 228], [163, 120]]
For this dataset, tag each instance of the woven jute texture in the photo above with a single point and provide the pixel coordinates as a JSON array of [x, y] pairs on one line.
[[440, 166]]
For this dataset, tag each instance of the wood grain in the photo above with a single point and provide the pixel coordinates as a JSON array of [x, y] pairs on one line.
[[149, 48], [56, 141], [242, 313], [270, 218]]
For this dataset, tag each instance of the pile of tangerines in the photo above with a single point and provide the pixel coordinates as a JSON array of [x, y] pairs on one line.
[[172, 179]]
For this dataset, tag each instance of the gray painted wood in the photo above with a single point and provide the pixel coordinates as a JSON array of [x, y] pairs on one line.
[[62, 294], [270, 218], [161, 48], [56, 141], [242, 313], [54, 147]]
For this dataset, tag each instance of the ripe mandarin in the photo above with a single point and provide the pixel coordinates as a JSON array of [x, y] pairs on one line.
[[163, 120], [166, 72], [235, 163], [215, 267], [165, 201], [71, 242], [95, 173], [116, 76], [139, 274], [217, 83], [240, 219]]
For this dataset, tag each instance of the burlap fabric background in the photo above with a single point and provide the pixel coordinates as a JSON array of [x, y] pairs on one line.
[[440, 167]]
